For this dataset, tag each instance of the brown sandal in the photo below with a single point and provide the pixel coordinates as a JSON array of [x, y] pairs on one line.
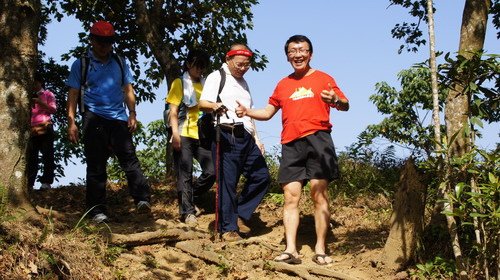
[[316, 259]]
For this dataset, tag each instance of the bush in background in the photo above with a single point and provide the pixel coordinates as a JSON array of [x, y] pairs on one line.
[[151, 143]]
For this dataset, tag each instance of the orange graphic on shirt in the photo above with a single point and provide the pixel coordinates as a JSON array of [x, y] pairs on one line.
[[301, 93]]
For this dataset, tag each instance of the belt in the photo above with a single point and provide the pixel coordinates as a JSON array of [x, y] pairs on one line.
[[226, 127], [236, 129]]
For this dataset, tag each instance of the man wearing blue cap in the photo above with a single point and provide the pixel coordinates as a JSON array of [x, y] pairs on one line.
[[103, 83]]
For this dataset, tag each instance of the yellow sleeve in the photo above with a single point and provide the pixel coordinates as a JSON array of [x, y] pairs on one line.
[[175, 94]]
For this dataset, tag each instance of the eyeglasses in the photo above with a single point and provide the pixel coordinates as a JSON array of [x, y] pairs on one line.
[[293, 52], [241, 65]]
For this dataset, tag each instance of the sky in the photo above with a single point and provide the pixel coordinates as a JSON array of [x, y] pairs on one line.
[[352, 42]]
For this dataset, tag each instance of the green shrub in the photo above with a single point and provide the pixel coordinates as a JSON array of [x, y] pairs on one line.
[[112, 253], [438, 268], [478, 206], [273, 164], [376, 173]]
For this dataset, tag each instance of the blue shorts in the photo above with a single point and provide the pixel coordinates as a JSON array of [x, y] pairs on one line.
[[310, 157]]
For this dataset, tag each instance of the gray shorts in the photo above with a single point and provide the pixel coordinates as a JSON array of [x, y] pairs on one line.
[[310, 157]]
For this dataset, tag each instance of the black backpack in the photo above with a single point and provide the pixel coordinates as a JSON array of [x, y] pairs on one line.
[[85, 61], [206, 128]]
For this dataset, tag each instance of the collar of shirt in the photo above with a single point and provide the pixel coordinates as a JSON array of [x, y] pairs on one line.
[[94, 59]]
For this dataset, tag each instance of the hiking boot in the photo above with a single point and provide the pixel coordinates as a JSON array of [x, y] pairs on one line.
[[191, 220], [45, 186], [231, 236], [243, 227], [100, 218], [143, 207]]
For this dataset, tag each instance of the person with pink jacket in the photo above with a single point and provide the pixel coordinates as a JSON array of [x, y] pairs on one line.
[[42, 135]]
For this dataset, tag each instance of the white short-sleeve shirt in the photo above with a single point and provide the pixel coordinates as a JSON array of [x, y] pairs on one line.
[[234, 89]]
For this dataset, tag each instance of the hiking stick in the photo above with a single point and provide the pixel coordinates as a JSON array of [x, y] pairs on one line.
[[217, 173]]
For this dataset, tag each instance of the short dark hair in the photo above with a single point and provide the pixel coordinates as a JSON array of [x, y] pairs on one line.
[[39, 78], [197, 58], [298, 39]]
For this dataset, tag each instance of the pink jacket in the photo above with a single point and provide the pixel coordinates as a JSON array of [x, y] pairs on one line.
[[40, 114]]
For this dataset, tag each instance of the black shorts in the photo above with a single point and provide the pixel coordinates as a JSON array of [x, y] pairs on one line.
[[310, 157]]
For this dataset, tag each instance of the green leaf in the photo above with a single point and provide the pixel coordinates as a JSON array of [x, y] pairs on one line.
[[449, 213], [476, 121], [493, 179], [478, 215], [473, 86], [459, 188]]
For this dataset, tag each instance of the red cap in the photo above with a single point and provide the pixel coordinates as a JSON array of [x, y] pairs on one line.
[[102, 28]]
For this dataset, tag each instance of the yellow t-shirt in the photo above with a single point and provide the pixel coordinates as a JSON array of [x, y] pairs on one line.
[[189, 126]]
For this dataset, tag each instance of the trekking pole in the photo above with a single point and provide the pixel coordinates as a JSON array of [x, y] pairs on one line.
[[217, 173]]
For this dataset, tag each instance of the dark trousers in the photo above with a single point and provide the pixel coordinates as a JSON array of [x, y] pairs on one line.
[[187, 192], [101, 138], [239, 156], [43, 144]]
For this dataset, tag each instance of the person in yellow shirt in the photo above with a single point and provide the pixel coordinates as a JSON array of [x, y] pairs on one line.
[[182, 100]]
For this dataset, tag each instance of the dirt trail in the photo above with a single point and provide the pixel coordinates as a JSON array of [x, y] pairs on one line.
[[356, 238]]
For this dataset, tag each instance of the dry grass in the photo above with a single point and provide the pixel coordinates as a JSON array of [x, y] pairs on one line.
[[28, 251]]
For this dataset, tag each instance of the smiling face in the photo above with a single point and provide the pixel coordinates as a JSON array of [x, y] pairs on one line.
[[299, 55], [238, 65]]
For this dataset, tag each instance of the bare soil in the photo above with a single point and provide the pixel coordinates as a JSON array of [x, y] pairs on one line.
[[63, 245]]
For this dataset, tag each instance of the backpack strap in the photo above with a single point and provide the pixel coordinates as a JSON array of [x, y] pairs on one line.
[[222, 82], [120, 62], [84, 68], [182, 113], [221, 85], [182, 109]]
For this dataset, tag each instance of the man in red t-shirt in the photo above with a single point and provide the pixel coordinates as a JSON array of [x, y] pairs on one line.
[[308, 154]]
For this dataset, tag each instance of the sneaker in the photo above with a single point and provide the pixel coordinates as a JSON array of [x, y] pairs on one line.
[[243, 228], [45, 186], [100, 218], [197, 211], [191, 220], [143, 207], [231, 236]]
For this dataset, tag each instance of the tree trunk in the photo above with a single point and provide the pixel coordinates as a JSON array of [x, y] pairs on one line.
[[443, 192], [472, 34], [19, 21], [434, 82], [154, 38], [407, 220], [163, 55]]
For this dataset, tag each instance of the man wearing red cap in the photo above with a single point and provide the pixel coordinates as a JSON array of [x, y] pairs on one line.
[[104, 88], [240, 149], [308, 154]]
